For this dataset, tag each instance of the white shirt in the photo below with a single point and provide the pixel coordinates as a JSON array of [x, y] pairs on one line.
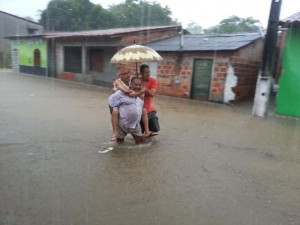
[[130, 108]]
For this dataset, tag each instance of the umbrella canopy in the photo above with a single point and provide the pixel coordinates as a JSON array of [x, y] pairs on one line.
[[136, 53]]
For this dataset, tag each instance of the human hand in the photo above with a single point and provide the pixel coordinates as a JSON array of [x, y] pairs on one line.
[[133, 94], [127, 92]]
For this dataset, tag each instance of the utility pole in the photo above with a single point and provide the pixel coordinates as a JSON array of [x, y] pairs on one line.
[[265, 76]]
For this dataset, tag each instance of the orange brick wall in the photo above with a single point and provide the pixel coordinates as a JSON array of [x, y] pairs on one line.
[[149, 36], [174, 69], [252, 52], [247, 72], [218, 78], [179, 67]]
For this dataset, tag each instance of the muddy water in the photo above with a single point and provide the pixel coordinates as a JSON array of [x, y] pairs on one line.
[[210, 164]]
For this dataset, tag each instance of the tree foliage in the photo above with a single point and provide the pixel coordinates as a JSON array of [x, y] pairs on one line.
[[75, 15], [235, 24], [194, 28], [134, 13]]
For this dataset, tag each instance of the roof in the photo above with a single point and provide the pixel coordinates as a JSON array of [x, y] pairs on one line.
[[20, 18], [293, 19], [94, 33], [205, 42]]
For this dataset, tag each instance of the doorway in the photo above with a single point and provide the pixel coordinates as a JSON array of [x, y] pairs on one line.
[[201, 79], [15, 61]]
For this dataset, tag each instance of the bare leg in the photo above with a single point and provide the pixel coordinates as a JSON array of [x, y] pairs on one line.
[[145, 119], [146, 123], [138, 139], [114, 123]]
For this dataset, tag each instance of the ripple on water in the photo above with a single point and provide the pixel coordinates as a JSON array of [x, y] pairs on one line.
[[127, 144]]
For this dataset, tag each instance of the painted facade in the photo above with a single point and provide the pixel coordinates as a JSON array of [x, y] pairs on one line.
[[287, 67], [225, 76], [288, 96], [13, 25], [30, 56], [80, 56]]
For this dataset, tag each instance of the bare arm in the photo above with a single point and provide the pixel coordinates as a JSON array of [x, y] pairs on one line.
[[119, 85], [150, 92], [122, 87], [143, 92]]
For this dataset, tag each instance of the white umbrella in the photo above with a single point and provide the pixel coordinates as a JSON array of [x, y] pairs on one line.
[[136, 53]]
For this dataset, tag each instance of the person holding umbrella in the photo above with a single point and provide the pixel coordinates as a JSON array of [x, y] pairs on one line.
[[122, 84], [137, 54]]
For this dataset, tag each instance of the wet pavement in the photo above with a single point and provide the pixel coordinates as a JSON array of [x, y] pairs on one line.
[[211, 164]]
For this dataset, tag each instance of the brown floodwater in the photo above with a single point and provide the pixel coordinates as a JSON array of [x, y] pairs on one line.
[[211, 164]]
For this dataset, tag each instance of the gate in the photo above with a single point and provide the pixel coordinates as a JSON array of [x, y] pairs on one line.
[[15, 61]]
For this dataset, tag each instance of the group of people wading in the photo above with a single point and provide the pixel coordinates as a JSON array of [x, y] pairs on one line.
[[132, 105]]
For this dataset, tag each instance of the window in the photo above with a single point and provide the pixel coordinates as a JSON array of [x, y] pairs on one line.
[[73, 59], [33, 31]]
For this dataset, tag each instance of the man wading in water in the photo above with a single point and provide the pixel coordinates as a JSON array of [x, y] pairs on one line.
[[122, 84], [130, 112]]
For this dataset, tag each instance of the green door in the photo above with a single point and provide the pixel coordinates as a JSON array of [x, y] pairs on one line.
[[201, 79]]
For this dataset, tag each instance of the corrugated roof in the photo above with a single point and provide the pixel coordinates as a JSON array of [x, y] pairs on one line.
[[107, 32], [204, 42], [293, 19]]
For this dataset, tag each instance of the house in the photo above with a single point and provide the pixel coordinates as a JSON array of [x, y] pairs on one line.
[[214, 67], [288, 95], [219, 67], [82, 56], [12, 25]]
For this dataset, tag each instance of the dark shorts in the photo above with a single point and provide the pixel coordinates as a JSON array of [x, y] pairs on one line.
[[153, 122]]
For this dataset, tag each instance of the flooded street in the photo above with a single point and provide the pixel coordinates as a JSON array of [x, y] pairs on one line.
[[211, 164]]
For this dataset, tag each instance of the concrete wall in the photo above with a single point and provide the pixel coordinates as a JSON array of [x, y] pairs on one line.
[[11, 25], [103, 78], [110, 46]]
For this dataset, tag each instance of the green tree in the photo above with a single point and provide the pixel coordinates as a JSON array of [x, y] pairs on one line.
[[74, 15], [99, 18], [235, 24], [29, 18], [133, 13], [194, 28]]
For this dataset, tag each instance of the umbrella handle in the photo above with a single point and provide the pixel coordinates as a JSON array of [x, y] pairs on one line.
[[136, 67]]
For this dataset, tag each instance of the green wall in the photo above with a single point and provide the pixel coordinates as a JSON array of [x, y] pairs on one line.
[[288, 97], [26, 51]]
